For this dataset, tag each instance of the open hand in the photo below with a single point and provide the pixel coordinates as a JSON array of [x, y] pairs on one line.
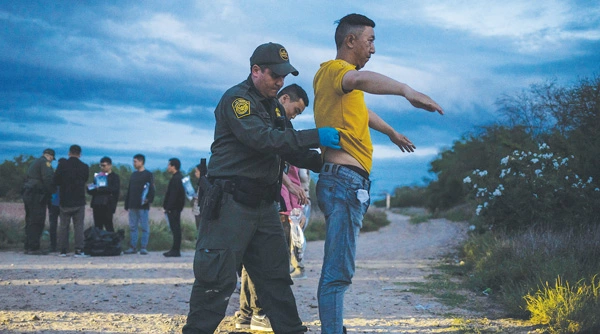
[[422, 101], [403, 143]]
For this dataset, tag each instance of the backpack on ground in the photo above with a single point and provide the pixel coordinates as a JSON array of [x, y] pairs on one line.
[[99, 242]]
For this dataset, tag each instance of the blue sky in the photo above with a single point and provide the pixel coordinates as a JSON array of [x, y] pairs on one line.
[[127, 77]]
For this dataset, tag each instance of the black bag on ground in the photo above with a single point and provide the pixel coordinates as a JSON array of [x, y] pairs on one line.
[[99, 242]]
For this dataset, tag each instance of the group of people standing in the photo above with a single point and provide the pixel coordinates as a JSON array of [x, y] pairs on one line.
[[64, 188], [63, 193], [251, 145]]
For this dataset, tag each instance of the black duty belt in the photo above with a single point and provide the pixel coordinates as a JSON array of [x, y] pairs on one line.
[[248, 187]]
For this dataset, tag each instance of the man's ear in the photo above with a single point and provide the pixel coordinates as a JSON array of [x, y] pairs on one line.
[[349, 40], [284, 98], [254, 70]]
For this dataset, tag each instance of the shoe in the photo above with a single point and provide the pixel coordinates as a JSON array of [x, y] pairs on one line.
[[143, 251], [79, 253], [242, 321], [298, 274], [130, 251], [172, 253], [260, 323], [63, 254]]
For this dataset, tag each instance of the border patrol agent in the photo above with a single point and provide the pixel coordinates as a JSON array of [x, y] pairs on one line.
[[37, 190], [240, 219]]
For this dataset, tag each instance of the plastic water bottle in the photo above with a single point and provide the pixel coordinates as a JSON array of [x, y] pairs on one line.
[[145, 192], [187, 185]]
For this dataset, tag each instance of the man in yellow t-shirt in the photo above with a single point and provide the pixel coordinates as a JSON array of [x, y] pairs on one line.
[[343, 187]]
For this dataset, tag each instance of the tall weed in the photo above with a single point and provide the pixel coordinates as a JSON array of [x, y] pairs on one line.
[[565, 308], [512, 265]]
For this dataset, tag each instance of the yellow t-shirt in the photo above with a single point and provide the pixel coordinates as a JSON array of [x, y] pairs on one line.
[[347, 112]]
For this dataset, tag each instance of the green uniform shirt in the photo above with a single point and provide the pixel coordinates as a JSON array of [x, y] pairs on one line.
[[248, 142], [39, 176]]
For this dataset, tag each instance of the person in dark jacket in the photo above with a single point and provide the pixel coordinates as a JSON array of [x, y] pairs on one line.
[[240, 219], [36, 193], [140, 195], [173, 205], [105, 195], [294, 100], [71, 177]]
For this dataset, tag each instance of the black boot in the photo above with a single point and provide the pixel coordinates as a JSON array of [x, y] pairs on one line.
[[172, 253]]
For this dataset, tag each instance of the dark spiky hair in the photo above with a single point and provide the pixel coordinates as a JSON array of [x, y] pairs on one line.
[[351, 24]]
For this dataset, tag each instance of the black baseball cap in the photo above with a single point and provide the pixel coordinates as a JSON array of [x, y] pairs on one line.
[[273, 56], [51, 152]]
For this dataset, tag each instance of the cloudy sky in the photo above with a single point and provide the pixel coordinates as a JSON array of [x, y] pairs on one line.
[[127, 77]]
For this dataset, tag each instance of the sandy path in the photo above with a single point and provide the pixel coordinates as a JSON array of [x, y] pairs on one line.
[[149, 294]]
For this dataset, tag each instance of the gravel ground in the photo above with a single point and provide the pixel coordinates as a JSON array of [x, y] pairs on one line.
[[150, 294]]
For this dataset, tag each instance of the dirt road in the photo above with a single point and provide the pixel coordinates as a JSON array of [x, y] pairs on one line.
[[149, 294]]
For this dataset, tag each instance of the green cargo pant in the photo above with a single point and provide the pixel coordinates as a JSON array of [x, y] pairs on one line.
[[254, 237], [35, 219]]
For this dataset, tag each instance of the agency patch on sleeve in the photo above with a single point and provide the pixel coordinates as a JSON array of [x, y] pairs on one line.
[[241, 107]]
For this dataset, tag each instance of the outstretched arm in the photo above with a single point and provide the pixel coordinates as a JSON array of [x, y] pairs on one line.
[[376, 123], [375, 83]]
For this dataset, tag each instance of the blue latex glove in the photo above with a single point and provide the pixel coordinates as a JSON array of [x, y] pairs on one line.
[[329, 137]]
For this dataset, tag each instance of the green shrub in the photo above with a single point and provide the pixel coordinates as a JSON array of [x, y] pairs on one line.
[[479, 150], [565, 308], [374, 220], [534, 189], [12, 232], [459, 213], [407, 196]]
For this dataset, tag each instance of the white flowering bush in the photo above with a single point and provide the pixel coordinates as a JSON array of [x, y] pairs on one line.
[[534, 188]]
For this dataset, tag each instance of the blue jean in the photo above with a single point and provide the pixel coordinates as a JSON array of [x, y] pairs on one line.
[[138, 217], [337, 191]]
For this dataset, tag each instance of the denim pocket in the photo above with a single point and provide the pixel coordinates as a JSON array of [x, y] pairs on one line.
[[325, 196]]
